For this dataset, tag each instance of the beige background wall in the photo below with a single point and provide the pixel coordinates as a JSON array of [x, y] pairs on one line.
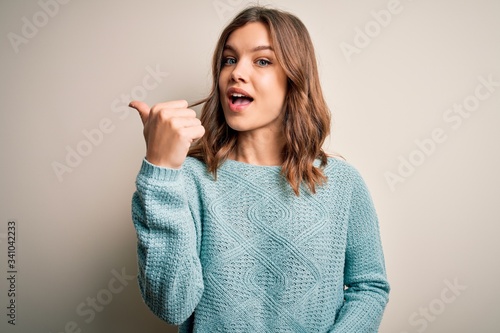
[[411, 112]]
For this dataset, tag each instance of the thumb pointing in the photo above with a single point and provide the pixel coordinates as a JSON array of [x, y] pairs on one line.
[[142, 108]]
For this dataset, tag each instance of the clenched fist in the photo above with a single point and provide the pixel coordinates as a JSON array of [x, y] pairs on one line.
[[169, 130]]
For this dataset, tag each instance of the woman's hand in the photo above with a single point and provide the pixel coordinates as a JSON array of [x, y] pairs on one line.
[[169, 130]]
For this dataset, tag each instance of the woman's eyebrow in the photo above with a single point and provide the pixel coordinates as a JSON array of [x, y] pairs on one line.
[[255, 49]]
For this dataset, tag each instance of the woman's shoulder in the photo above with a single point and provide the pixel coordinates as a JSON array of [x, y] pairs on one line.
[[337, 168], [337, 163]]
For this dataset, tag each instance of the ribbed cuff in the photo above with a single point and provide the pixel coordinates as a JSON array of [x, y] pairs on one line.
[[158, 173]]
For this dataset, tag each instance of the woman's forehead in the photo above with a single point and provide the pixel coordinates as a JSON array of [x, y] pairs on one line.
[[251, 36]]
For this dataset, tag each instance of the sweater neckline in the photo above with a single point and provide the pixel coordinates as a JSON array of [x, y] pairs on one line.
[[233, 164]]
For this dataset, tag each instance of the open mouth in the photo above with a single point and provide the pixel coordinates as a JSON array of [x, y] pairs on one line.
[[240, 99]]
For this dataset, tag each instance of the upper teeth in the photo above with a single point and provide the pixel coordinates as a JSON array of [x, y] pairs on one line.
[[238, 95]]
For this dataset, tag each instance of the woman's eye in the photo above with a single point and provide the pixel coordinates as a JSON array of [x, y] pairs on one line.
[[229, 61], [263, 62]]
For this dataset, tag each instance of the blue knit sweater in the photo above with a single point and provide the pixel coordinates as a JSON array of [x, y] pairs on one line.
[[243, 253]]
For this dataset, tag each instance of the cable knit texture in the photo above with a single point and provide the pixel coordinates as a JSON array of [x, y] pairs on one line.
[[243, 253]]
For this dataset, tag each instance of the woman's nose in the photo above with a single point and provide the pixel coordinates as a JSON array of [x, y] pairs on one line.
[[240, 72]]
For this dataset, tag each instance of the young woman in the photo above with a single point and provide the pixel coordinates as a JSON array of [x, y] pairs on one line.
[[257, 230]]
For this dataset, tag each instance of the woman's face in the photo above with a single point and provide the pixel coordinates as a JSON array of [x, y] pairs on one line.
[[252, 85]]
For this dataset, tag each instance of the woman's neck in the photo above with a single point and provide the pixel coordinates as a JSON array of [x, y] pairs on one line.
[[259, 148]]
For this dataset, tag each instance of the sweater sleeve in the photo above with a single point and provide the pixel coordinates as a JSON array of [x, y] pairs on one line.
[[170, 276], [366, 287]]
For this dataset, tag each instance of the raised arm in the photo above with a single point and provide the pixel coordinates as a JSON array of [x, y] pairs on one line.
[[167, 225]]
